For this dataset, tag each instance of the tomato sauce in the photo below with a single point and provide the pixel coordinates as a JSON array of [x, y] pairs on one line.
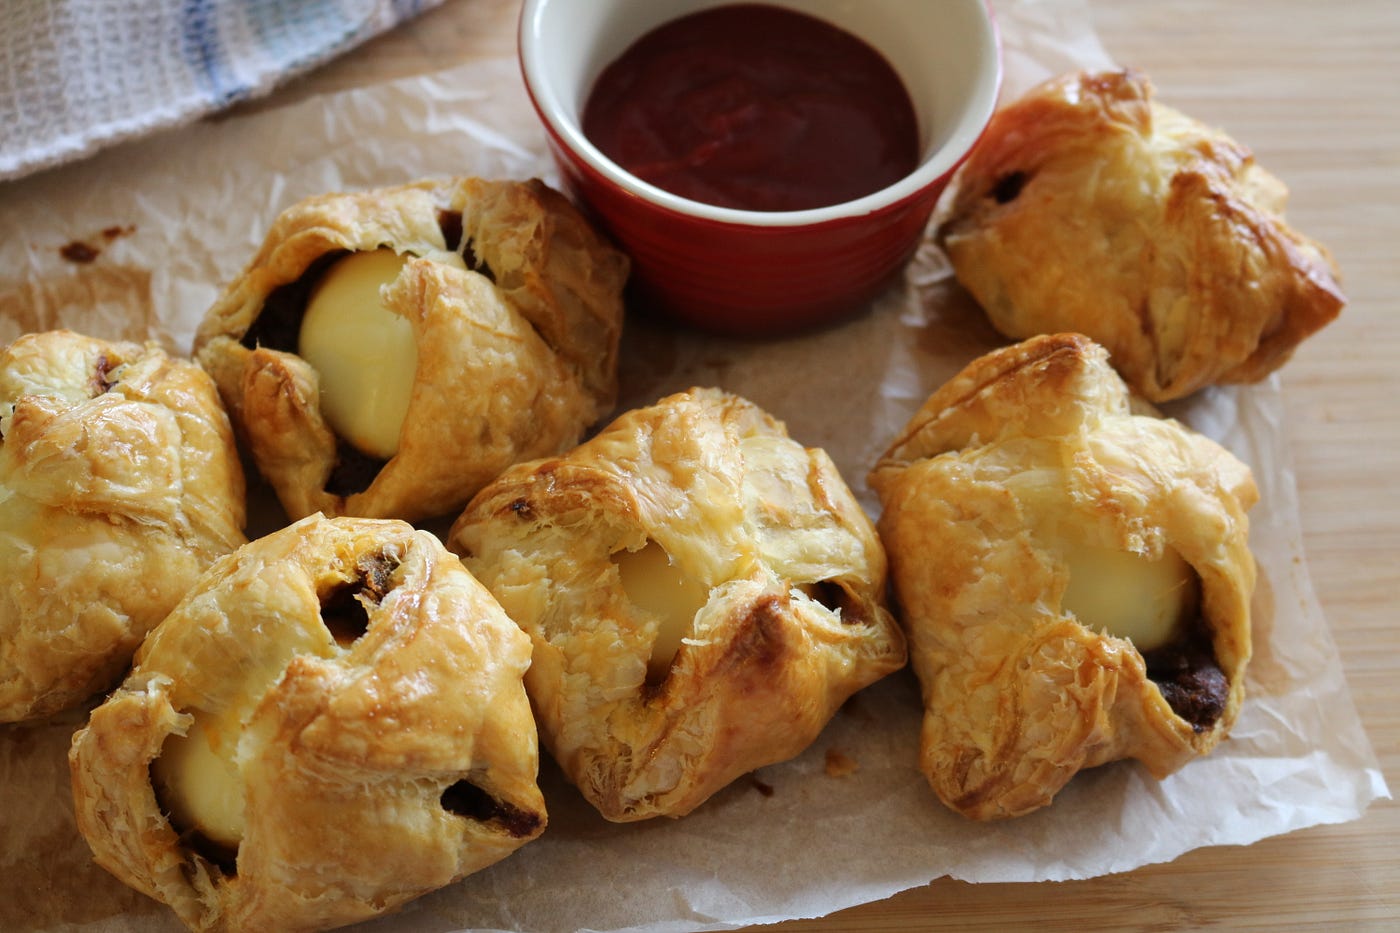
[[755, 107]]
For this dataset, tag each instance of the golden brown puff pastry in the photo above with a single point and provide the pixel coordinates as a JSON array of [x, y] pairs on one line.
[[119, 484], [1074, 578], [702, 592], [514, 308], [331, 724], [1090, 207]]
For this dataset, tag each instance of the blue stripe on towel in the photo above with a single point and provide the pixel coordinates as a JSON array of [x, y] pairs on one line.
[[202, 50], [293, 34]]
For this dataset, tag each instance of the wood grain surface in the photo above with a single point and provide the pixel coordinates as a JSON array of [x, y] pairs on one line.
[[1314, 89]]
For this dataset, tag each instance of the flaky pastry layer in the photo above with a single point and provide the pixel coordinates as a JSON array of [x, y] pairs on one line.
[[1089, 206], [374, 767], [517, 352], [791, 580], [1031, 449], [119, 485]]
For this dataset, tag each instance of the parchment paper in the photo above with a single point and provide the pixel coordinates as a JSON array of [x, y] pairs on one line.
[[166, 221]]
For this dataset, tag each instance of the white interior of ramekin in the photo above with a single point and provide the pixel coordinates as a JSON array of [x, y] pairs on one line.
[[946, 51]]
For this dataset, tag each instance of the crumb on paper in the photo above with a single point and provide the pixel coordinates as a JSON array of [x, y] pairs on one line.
[[839, 764], [762, 787], [84, 250], [77, 251]]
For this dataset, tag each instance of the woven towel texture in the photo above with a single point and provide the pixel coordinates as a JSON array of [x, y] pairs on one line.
[[76, 75]]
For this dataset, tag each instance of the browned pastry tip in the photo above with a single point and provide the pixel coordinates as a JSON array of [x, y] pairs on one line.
[[1074, 577], [1089, 206]]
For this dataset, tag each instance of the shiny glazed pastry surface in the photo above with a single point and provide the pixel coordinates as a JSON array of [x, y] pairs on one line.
[[515, 310], [332, 723], [1090, 207], [119, 485], [702, 592], [1015, 503]]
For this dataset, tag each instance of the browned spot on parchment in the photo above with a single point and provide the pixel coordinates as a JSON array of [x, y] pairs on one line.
[[79, 252], [86, 249], [839, 764], [101, 300]]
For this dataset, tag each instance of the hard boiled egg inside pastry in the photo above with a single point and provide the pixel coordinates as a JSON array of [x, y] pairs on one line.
[[332, 723], [387, 352], [702, 592], [1074, 577], [364, 354]]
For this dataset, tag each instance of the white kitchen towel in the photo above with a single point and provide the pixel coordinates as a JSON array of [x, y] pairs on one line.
[[77, 75]]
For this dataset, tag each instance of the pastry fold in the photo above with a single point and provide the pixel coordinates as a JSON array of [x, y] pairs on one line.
[[515, 305], [1090, 207], [1030, 457], [366, 694], [775, 574], [119, 485]]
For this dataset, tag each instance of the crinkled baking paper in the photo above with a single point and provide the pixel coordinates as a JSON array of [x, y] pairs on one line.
[[168, 220]]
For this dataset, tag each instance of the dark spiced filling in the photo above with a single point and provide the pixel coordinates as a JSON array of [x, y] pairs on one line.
[[278, 327], [1008, 187], [377, 574], [353, 470], [1190, 678], [344, 615], [476, 263], [345, 607], [450, 222], [837, 598], [102, 375], [221, 856], [278, 324], [466, 799]]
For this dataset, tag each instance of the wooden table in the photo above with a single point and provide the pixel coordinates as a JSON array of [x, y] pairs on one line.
[[1314, 89]]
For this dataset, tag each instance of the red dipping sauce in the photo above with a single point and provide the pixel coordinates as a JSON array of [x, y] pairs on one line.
[[755, 107]]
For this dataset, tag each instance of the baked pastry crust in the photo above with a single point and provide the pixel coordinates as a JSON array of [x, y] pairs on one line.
[[119, 484], [1090, 207], [354, 758], [517, 353], [1029, 448], [793, 620]]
